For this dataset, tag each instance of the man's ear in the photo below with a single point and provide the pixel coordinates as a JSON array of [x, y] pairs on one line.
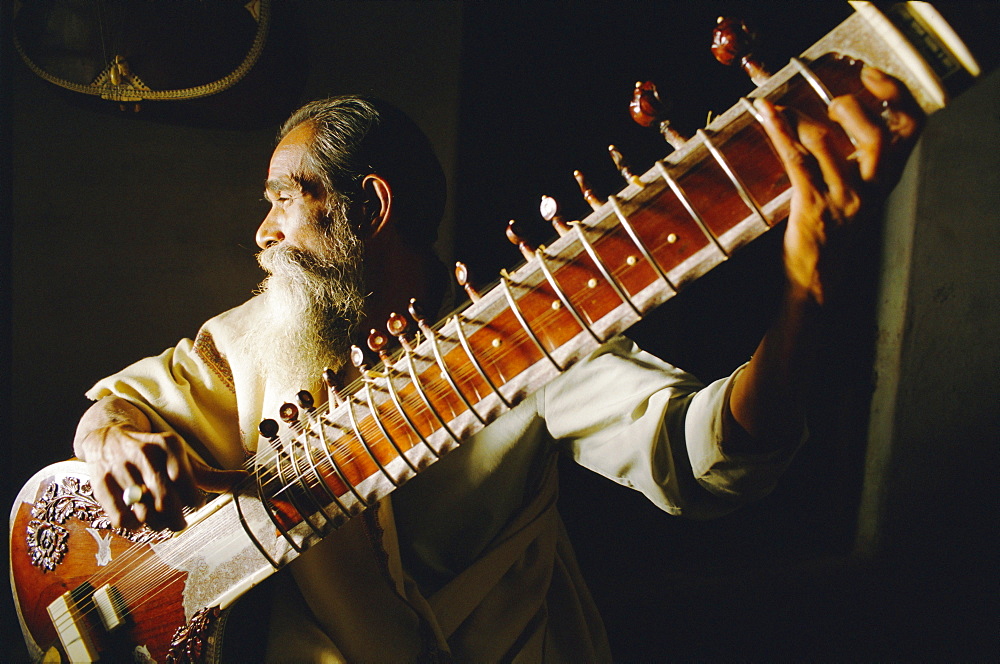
[[377, 204]]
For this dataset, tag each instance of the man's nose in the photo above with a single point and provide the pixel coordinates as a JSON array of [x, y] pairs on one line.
[[269, 232]]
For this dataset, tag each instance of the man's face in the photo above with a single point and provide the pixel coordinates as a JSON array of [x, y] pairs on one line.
[[294, 212], [314, 291]]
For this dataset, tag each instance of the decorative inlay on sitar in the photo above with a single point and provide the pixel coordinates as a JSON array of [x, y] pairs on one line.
[[72, 498], [326, 463]]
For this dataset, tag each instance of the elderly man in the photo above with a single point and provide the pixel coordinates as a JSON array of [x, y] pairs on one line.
[[470, 560]]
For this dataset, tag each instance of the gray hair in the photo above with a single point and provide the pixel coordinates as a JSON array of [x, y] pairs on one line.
[[354, 136]]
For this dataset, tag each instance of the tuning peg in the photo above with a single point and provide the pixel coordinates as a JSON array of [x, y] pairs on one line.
[[416, 312], [648, 109], [305, 399], [418, 315], [623, 167], [526, 249], [732, 39], [289, 413], [377, 343], [587, 191], [359, 360], [330, 378], [269, 429], [397, 326], [549, 209], [462, 277]]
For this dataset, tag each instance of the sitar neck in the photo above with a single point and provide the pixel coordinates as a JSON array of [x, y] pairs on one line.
[[691, 211]]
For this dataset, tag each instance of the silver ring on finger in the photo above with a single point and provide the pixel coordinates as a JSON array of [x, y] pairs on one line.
[[891, 120], [132, 495]]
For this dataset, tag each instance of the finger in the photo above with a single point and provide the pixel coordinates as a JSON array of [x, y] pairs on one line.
[[794, 157], [144, 515], [145, 465], [144, 510], [172, 514], [906, 116], [147, 513], [150, 458], [165, 497], [838, 179], [214, 480], [108, 492], [178, 469], [869, 136]]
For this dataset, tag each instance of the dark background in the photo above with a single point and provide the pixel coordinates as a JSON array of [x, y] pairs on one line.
[[127, 230]]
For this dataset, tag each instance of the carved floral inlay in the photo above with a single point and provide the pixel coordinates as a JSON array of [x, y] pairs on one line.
[[68, 498], [188, 642]]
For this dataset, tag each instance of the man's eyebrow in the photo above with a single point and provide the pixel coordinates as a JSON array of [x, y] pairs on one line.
[[275, 185]]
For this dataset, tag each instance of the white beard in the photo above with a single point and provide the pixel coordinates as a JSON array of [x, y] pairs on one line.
[[314, 305]]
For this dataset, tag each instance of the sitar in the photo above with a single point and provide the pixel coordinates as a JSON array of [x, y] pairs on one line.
[[86, 591]]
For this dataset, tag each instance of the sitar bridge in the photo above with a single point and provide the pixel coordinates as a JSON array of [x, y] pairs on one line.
[[72, 617]]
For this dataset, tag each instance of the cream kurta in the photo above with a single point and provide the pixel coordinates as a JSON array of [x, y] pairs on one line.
[[471, 558]]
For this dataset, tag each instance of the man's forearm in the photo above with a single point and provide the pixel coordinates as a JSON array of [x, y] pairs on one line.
[[767, 400]]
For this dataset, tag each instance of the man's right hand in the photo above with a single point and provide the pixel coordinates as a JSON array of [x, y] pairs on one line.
[[115, 440]]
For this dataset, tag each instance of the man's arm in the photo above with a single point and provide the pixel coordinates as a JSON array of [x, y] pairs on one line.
[[832, 199], [114, 437]]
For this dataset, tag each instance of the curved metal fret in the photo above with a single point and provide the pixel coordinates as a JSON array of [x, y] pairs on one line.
[[337, 469], [315, 468], [364, 443], [302, 475], [378, 421], [432, 335], [415, 379], [398, 403], [540, 254], [274, 518], [733, 177], [748, 106], [637, 241], [253, 538], [286, 486], [475, 362], [818, 87], [589, 248], [326, 487], [813, 80], [686, 202], [505, 282]]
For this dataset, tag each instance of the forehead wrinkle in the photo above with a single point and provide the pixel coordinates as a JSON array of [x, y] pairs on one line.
[[281, 183]]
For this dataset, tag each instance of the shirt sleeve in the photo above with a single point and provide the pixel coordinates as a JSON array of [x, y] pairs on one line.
[[645, 424], [187, 390]]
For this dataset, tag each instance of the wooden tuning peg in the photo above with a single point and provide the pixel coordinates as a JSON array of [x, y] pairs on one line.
[[462, 277], [269, 429], [526, 249], [397, 325], [588, 192], [330, 378], [289, 413], [416, 312], [733, 40], [359, 360], [377, 343], [549, 209], [647, 109], [305, 399], [623, 167]]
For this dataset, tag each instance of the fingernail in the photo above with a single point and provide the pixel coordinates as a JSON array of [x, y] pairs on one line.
[[871, 74]]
